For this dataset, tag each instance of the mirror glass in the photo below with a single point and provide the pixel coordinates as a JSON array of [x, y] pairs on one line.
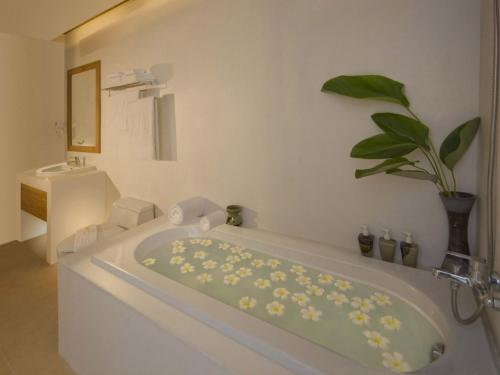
[[84, 108]]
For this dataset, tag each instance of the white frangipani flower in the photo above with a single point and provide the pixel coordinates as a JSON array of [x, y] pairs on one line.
[[236, 250], [178, 249], [257, 263], [315, 290], [204, 278], [233, 259], [273, 263], [262, 283], [376, 340], [149, 262], [303, 280], [381, 299], [244, 272], [275, 308], [343, 285], [205, 242], [325, 279], [359, 318], [195, 241], [278, 276], [247, 303], [298, 269], [177, 260], [246, 255], [395, 362], [209, 264], [226, 267], [311, 313], [200, 255], [338, 298], [224, 246], [231, 279], [363, 304], [281, 293], [390, 323], [187, 268], [300, 298]]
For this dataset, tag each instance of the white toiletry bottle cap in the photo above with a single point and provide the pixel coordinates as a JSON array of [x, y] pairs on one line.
[[387, 236], [364, 230], [408, 237]]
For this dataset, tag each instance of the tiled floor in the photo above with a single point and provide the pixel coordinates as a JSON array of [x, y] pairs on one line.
[[28, 314]]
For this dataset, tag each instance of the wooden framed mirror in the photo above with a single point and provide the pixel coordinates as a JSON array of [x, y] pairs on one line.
[[84, 108]]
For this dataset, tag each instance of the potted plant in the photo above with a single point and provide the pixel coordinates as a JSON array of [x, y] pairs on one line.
[[403, 134]]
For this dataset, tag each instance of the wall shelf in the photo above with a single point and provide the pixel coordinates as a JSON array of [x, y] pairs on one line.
[[139, 85]]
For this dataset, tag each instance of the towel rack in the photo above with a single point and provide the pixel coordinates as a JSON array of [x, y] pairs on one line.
[[139, 86]]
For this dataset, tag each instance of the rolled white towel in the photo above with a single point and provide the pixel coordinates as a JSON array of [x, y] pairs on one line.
[[186, 210], [213, 220], [85, 237]]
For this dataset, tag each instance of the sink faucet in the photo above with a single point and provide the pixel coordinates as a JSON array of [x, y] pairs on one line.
[[75, 161], [473, 272]]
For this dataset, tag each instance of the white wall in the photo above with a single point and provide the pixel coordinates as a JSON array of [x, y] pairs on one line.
[[485, 110], [253, 127], [31, 100]]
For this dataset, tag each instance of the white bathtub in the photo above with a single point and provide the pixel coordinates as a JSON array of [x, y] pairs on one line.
[[467, 352]]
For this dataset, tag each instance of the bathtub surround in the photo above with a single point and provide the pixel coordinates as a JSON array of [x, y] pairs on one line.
[[251, 125], [31, 102], [107, 289]]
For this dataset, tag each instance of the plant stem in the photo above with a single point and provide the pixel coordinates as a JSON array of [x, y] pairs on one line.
[[413, 114], [434, 168], [433, 159], [454, 182], [440, 165], [426, 171]]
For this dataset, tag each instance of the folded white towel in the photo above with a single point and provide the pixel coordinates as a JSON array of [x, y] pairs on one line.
[[141, 125], [186, 210], [85, 237], [213, 220]]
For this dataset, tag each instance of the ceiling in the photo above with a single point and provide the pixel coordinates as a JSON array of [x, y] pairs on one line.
[[48, 19]]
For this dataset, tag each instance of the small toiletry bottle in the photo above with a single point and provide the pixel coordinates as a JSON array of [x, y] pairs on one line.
[[365, 240], [409, 251], [387, 246]]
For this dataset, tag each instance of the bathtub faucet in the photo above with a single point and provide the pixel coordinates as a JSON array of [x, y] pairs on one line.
[[473, 272]]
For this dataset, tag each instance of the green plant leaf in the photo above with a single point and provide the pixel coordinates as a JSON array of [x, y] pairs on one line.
[[368, 87], [385, 166], [404, 127], [457, 142], [382, 146], [413, 173]]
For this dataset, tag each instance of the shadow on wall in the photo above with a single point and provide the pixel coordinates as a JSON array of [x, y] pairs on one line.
[[166, 129], [112, 194]]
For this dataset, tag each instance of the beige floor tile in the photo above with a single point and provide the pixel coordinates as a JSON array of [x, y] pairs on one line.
[[28, 314], [4, 367]]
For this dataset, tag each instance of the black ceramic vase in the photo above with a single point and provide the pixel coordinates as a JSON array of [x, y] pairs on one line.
[[458, 208]]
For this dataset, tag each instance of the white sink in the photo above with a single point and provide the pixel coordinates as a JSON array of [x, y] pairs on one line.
[[62, 168]]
